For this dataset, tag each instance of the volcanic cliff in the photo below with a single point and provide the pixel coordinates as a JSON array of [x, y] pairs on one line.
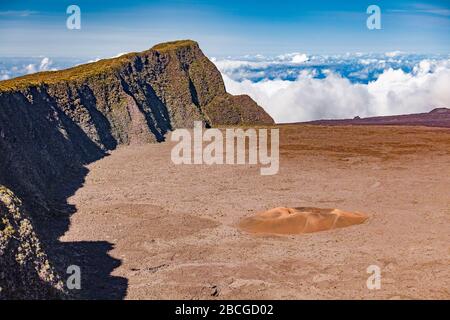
[[53, 123]]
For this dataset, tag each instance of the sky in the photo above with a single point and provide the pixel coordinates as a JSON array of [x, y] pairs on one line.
[[315, 87], [299, 60], [223, 28]]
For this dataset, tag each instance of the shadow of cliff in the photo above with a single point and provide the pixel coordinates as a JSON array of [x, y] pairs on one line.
[[150, 105], [99, 121], [43, 160], [93, 258]]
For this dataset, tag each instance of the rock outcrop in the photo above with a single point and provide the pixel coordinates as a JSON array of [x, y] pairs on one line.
[[25, 271]]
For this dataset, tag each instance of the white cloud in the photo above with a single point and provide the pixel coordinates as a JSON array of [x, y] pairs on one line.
[[31, 68], [119, 54], [393, 54], [45, 64], [393, 92], [260, 61], [294, 57], [90, 61], [17, 13], [230, 65], [19, 66], [299, 58]]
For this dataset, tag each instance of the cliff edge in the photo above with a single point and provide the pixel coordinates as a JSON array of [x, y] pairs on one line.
[[51, 122], [54, 123]]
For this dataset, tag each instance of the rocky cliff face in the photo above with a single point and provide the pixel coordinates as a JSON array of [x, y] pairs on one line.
[[25, 271], [53, 123]]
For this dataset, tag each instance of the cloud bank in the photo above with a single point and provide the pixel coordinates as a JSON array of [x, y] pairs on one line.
[[15, 67], [329, 94], [301, 87]]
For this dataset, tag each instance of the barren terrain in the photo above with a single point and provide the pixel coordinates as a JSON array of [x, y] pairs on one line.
[[172, 229]]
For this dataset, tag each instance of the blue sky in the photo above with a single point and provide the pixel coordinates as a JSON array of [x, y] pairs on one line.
[[38, 28]]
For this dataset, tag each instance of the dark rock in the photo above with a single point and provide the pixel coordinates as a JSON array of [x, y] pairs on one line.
[[25, 271], [52, 123]]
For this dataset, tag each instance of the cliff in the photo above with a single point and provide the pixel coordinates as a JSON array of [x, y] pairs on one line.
[[54, 123]]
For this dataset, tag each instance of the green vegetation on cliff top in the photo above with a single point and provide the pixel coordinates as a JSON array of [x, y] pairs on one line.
[[84, 71], [173, 45]]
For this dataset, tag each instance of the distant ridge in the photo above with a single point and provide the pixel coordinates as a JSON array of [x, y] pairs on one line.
[[438, 117]]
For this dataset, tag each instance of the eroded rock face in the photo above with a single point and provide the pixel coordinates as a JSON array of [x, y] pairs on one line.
[[300, 220], [52, 123], [229, 109], [25, 272]]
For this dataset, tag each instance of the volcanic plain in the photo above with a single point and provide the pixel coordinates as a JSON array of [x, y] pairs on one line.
[[173, 230]]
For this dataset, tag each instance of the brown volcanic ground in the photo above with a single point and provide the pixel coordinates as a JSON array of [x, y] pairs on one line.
[[173, 229]]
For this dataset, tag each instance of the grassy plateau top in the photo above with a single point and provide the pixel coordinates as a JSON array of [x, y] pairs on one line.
[[84, 71]]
